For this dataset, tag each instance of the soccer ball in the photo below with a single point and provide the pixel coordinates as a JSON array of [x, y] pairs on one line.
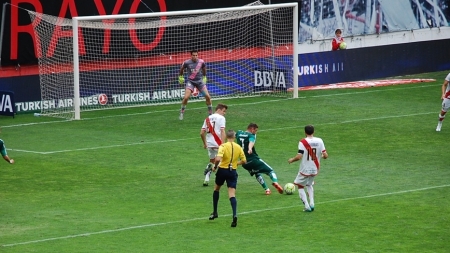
[[289, 188], [343, 45]]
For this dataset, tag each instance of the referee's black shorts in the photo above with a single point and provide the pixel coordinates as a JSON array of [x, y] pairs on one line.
[[225, 175]]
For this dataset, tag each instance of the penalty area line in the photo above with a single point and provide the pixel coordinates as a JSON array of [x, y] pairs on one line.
[[101, 147], [27, 151], [204, 218], [263, 130], [352, 121]]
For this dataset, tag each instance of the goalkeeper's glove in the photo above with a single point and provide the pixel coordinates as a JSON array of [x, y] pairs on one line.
[[204, 79], [181, 79]]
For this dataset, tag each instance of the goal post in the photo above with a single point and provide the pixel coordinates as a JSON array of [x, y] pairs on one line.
[[115, 61]]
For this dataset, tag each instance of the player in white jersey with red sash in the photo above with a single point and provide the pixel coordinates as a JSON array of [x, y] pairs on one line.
[[310, 150], [196, 73], [213, 135], [445, 101]]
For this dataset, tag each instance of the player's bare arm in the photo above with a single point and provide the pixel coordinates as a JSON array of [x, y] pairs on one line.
[[324, 155], [223, 135], [217, 161], [180, 76], [9, 160], [181, 70], [250, 147], [242, 159], [295, 158], [242, 162], [203, 136], [444, 88]]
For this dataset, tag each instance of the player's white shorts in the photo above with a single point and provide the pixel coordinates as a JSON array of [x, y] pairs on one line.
[[445, 104], [212, 152], [304, 180]]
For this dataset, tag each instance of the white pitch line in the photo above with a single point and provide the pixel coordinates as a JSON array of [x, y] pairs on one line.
[[243, 104], [203, 218], [163, 141], [27, 151], [371, 91], [36, 123], [138, 113], [352, 121], [201, 108], [388, 117], [100, 147]]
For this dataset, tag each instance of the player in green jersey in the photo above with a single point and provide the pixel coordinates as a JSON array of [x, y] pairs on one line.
[[4, 153], [255, 165]]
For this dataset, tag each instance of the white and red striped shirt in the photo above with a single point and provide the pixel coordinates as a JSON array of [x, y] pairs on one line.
[[447, 91], [217, 123], [309, 165]]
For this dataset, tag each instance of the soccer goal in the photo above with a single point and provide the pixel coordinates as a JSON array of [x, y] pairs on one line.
[[115, 61]]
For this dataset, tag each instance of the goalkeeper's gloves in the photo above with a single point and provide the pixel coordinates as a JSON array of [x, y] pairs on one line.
[[204, 79], [181, 79]]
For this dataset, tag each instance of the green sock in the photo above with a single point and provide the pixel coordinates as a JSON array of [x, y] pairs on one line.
[[273, 177]]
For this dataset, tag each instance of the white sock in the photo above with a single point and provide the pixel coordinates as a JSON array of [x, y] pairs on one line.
[[207, 176], [302, 194], [310, 194]]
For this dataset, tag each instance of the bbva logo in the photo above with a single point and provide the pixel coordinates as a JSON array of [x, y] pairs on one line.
[[269, 78], [6, 104]]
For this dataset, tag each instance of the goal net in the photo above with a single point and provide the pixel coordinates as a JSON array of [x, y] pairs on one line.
[[116, 61]]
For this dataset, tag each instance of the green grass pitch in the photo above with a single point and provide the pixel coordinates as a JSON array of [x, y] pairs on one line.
[[130, 180]]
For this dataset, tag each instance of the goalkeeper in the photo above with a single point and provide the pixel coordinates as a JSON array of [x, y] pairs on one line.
[[196, 78]]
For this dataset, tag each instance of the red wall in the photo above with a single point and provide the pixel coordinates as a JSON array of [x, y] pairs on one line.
[[19, 39]]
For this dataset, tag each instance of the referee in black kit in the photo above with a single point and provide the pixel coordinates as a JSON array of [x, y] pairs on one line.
[[229, 157]]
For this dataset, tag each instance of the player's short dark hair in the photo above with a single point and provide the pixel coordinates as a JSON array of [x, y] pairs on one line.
[[338, 31], [252, 125], [221, 107], [194, 51], [309, 129], [231, 134]]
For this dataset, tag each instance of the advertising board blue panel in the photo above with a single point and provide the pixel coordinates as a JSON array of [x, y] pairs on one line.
[[224, 78], [373, 62]]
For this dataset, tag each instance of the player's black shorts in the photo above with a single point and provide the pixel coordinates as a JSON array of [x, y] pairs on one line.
[[225, 175]]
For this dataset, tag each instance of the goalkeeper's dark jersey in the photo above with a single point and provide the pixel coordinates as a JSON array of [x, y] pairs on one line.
[[244, 138]]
